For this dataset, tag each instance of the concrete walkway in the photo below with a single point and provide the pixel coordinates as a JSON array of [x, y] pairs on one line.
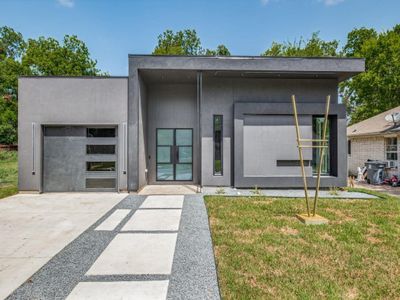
[[288, 193], [146, 247], [35, 227]]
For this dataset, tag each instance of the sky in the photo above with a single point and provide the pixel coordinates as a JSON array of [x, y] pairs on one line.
[[112, 29]]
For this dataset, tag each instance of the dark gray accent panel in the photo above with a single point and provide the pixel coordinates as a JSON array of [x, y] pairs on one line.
[[339, 67], [338, 140]]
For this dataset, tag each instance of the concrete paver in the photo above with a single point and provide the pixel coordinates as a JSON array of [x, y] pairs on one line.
[[113, 220], [117, 290], [169, 201], [136, 253], [154, 220]]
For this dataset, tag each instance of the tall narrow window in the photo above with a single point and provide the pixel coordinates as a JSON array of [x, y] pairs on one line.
[[217, 122], [318, 127], [349, 147]]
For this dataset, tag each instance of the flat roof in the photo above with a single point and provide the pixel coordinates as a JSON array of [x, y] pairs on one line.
[[337, 67]]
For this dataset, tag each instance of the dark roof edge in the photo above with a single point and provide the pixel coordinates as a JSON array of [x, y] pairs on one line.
[[82, 77], [248, 56]]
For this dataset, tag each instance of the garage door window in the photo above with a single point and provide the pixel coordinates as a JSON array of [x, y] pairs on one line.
[[100, 149], [100, 183], [100, 166], [100, 132]]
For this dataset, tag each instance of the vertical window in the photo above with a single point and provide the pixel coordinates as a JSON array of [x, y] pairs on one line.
[[349, 147], [318, 127], [391, 148], [217, 125]]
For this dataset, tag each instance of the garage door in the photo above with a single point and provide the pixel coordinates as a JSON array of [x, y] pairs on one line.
[[77, 158]]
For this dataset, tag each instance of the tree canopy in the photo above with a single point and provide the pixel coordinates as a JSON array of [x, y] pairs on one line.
[[42, 56], [367, 94], [378, 89], [185, 42], [314, 46]]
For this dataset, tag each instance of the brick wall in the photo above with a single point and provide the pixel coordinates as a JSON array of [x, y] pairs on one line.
[[365, 148]]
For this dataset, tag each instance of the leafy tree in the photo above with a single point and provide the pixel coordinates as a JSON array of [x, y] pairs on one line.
[[45, 56], [183, 42], [42, 56], [221, 50], [313, 47], [378, 89]]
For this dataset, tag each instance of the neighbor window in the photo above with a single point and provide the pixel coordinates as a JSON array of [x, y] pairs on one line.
[[100, 166], [217, 125], [318, 127], [100, 132], [391, 148]]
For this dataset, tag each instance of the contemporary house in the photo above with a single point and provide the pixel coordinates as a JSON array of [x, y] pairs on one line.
[[375, 139], [209, 121]]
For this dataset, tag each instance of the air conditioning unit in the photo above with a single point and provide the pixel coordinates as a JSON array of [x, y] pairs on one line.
[[392, 164]]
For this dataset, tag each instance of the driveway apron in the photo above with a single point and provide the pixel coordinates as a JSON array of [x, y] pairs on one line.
[[146, 247]]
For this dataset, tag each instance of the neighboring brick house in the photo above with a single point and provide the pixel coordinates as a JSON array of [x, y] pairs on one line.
[[376, 139]]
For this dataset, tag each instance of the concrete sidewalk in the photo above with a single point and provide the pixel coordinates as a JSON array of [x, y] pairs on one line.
[[35, 227]]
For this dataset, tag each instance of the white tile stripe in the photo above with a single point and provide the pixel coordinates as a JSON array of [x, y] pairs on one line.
[[154, 220], [116, 290], [136, 253], [113, 220], [163, 202]]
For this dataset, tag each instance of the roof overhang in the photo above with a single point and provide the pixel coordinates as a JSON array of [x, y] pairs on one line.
[[254, 66]]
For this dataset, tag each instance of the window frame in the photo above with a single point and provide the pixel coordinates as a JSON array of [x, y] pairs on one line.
[[396, 145], [221, 145], [327, 151]]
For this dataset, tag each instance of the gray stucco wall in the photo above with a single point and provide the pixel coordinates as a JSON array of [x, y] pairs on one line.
[[170, 106], [67, 101], [219, 96]]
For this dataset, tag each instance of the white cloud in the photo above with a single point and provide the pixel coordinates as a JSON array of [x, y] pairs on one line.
[[331, 2], [66, 3], [326, 2]]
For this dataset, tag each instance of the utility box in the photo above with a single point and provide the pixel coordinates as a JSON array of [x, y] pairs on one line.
[[375, 171]]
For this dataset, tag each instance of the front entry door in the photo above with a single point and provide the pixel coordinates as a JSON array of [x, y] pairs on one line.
[[174, 160]]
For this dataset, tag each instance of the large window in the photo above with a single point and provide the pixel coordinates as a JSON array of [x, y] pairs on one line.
[[218, 121], [391, 148], [318, 127]]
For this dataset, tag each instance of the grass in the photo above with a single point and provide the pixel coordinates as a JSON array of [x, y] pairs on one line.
[[8, 173], [263, 252]]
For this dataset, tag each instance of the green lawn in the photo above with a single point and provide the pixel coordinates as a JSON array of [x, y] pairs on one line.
[[8, 173], [263, 251]]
